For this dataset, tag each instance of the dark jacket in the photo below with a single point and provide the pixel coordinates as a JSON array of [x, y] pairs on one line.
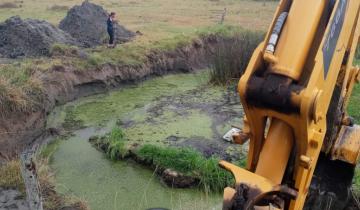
[[110, 26]]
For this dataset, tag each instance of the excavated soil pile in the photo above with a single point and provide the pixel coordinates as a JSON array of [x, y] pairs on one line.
[[87, 23], [30, 38]]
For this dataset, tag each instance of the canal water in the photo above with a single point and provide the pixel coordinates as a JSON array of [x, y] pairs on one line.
[[174, 110]]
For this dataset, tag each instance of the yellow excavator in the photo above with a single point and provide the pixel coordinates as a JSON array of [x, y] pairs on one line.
[[303, 147]]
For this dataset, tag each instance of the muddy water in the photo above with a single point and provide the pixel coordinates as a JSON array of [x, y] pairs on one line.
[[175, 110]]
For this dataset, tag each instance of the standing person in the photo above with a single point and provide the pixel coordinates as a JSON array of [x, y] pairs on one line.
[[110, 29]]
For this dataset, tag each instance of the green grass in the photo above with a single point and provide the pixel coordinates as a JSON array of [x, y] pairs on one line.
[[135, 53], [232, 56], [190, 162], [10, 175], [226, 31], [156, 18], [20, 90], [356, 181], [47, 151], [357, 55], [113, 144], [64, 50], [184, 160], [354, 111], [116, 141], [354, 105]]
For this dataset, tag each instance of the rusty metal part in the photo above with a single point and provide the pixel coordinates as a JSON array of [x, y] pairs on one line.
[[347, 120], [242, 137], [228, 201], [347, 145], [274, 197]]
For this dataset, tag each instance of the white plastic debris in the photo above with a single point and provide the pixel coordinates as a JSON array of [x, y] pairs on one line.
[[229, 135]]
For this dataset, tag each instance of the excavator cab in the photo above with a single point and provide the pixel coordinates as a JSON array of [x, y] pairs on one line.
[[295, 91]]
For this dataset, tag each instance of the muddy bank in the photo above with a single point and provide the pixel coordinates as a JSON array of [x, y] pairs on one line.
[[12, 199], [65, 83]]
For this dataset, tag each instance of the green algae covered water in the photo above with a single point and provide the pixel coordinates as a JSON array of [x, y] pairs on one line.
[[86, 173], [175, 110]]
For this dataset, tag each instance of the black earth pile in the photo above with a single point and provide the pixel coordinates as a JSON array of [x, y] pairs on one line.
[[84, 26], [87, 23], [30, 38]]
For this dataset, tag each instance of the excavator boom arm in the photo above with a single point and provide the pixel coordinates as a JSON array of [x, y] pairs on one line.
[[297, 84]]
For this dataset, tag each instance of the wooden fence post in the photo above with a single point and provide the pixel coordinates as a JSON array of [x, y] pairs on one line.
[[29, 174]]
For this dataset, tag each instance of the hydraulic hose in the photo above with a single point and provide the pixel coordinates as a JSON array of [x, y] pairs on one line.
[[276, 32]]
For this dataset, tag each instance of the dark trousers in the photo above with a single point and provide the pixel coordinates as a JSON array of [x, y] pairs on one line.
[[111, 35]]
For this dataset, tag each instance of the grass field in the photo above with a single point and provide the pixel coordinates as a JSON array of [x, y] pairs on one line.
[[156, 19], [160, 22]]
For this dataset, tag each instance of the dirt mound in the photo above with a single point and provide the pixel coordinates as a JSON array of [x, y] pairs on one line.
[[87, 23], [29, 37]]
